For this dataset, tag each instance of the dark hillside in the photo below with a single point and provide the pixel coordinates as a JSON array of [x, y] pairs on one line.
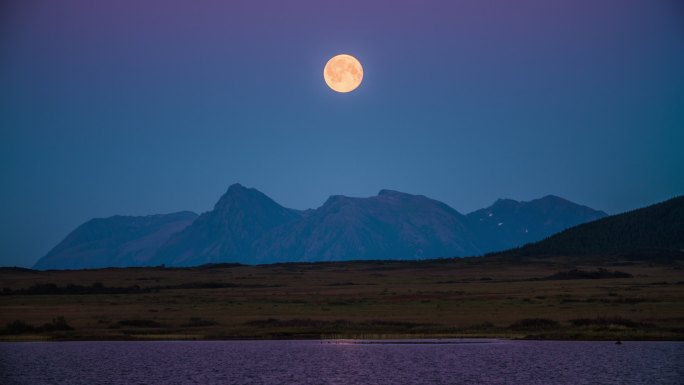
[[658, 228]]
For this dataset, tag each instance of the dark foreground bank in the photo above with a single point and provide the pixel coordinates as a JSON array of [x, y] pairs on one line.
[[526, 299]]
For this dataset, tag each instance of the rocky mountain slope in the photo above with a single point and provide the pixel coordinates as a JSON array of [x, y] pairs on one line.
[[117, 241]]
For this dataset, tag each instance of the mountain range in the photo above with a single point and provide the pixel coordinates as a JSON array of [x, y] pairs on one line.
[[246, 226]]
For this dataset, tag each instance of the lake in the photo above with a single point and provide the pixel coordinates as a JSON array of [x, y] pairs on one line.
[[342, 362]]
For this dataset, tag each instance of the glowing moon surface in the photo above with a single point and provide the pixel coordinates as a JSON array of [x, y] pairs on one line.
[[343, 73]]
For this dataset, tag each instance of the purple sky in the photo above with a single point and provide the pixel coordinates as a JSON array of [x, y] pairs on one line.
[[141, 107]]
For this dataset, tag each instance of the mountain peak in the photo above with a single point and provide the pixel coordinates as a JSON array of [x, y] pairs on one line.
[[553, 198], [389, 192], [236, 187], [336, 199], [238, 193], [547, 199], [385, 193], [241, 216], [505, 202]]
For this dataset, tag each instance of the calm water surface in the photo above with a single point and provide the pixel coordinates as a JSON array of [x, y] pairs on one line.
[[316, 362]]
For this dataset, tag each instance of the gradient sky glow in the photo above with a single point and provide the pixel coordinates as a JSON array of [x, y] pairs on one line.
[[138, 107]]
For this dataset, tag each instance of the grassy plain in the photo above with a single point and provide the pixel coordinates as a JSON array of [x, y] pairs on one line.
[[477, 297]]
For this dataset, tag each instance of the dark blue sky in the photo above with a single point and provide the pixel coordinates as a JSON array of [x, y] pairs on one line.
[[132, 107]]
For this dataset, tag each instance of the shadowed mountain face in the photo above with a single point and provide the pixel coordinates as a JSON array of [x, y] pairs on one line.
[[117, 241], [227, 233], [657, 229], [508, 223], [391, 225], [246, 226]]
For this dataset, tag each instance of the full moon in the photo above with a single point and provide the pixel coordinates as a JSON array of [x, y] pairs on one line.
[[343, 73]]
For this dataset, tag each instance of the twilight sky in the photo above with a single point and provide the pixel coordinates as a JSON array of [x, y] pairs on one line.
[[138, 107]]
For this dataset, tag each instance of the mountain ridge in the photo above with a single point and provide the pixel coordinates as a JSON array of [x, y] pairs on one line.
[[116, 241], [388, 224], [508, 223], [246, 226]]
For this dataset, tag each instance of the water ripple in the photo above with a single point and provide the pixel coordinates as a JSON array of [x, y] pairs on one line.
[[342, 362]]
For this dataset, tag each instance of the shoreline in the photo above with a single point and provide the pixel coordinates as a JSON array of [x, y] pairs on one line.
[[398, 339]]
